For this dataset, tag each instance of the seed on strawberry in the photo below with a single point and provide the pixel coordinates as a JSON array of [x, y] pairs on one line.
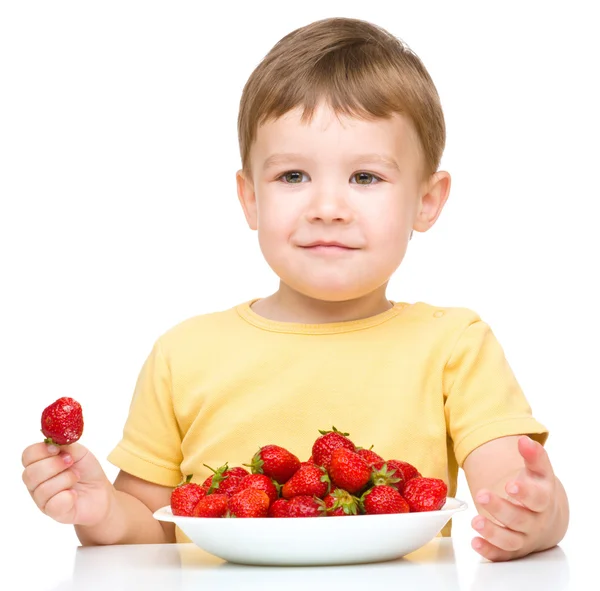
[[224, 480], [214, 505], [348, 470], [308, 480], [259, 482], [383, 499], [249, 502], [425, 494], [325, 445], [303, 506], [62, 421], [275, 462], [279, 508], [186, 496], [339, 502]]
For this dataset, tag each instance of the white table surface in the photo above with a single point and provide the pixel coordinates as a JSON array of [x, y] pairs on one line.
[[443, 564]]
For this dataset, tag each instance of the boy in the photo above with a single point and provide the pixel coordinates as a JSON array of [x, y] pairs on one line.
[[341, 134]]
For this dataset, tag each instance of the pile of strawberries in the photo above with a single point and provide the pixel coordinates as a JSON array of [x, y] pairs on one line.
[[338, 479]]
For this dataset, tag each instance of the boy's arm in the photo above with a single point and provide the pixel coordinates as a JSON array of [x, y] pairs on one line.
[[129, 519], [514, 524]]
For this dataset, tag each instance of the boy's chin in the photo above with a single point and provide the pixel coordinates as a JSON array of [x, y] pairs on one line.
[[332, 293]]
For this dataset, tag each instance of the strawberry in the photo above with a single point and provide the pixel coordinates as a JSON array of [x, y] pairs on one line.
[[348, 470], [186, 496], [329, 441], [383, 499], [224, 480], [425, 494], [339, 502], [388, 473], [249, 502], [214, 505], [369, 456], [62, 421], [237, 471], [260, 482], [408, 470], [303, 506], [275, 462], [279, 508], [308, 480]]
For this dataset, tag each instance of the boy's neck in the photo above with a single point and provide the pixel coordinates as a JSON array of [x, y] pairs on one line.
[[288, 305]]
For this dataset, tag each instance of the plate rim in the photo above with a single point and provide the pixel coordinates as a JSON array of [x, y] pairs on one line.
[[165, 514]]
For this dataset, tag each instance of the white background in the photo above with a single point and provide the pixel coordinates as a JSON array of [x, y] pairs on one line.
[[119, 217]]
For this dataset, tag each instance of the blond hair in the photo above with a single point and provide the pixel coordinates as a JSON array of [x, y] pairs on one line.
[[358, 68]]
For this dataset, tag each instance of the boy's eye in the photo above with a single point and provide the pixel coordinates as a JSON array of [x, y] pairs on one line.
[[293, 177], [365, 178]]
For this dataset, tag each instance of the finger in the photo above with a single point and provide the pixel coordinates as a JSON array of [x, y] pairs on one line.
[[535, 456], [535, 495], [514, 517], [38, 451], [48, 489], [61, 507], [491, 552], [38, 472], [501, 537]]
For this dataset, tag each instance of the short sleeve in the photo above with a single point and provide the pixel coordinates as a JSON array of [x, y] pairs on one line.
[[151, 444], [483, 400]]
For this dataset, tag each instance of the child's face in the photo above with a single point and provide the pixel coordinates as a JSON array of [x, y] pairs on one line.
[[355, 183]]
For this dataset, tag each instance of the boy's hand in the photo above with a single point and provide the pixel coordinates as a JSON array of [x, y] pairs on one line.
[[524, 518], [67, 483]]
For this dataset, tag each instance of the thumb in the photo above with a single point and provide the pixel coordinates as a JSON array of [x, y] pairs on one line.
[[535, 456]]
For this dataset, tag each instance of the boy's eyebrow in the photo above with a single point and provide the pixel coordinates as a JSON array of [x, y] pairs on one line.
[[283, 157]]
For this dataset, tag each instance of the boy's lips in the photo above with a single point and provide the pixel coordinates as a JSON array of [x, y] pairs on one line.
[[323, 247], [329, 244]]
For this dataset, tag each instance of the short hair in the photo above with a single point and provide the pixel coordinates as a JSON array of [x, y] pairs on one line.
[[358, 68]]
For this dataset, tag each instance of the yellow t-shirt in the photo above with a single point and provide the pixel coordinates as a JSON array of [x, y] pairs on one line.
[[421, 384]]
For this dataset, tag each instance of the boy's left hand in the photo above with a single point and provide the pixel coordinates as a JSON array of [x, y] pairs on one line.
[[523, 517]]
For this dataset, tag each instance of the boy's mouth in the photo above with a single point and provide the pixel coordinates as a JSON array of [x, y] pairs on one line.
[[329, 244], [327, 247]]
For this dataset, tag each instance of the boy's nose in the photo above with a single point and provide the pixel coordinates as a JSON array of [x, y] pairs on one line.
[[329, 206]]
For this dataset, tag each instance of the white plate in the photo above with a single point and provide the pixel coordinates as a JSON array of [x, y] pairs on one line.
[[314, 540]]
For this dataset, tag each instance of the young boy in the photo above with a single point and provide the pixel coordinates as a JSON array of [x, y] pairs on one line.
[[341, 134]]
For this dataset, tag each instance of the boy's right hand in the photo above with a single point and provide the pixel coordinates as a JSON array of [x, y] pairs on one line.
[[67, 483]]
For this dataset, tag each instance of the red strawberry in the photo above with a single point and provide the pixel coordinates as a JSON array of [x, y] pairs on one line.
[[224, 480], [214, 505], [249, 502], [308, 480], [275, 462], [62, 421], [303, 506], [186, 496], [237, 471], [425, 494], [279, 508], [369, 456], [383, 499], [259, 482], [329, 441], [339, 502], [388, 473], [408, 470], [348, 470]]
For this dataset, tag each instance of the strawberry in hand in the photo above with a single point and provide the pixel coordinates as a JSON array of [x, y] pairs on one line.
[[62, 421]]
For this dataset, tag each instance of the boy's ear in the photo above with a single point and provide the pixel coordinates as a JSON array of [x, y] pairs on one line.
[[247, 197], [433, 198]]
